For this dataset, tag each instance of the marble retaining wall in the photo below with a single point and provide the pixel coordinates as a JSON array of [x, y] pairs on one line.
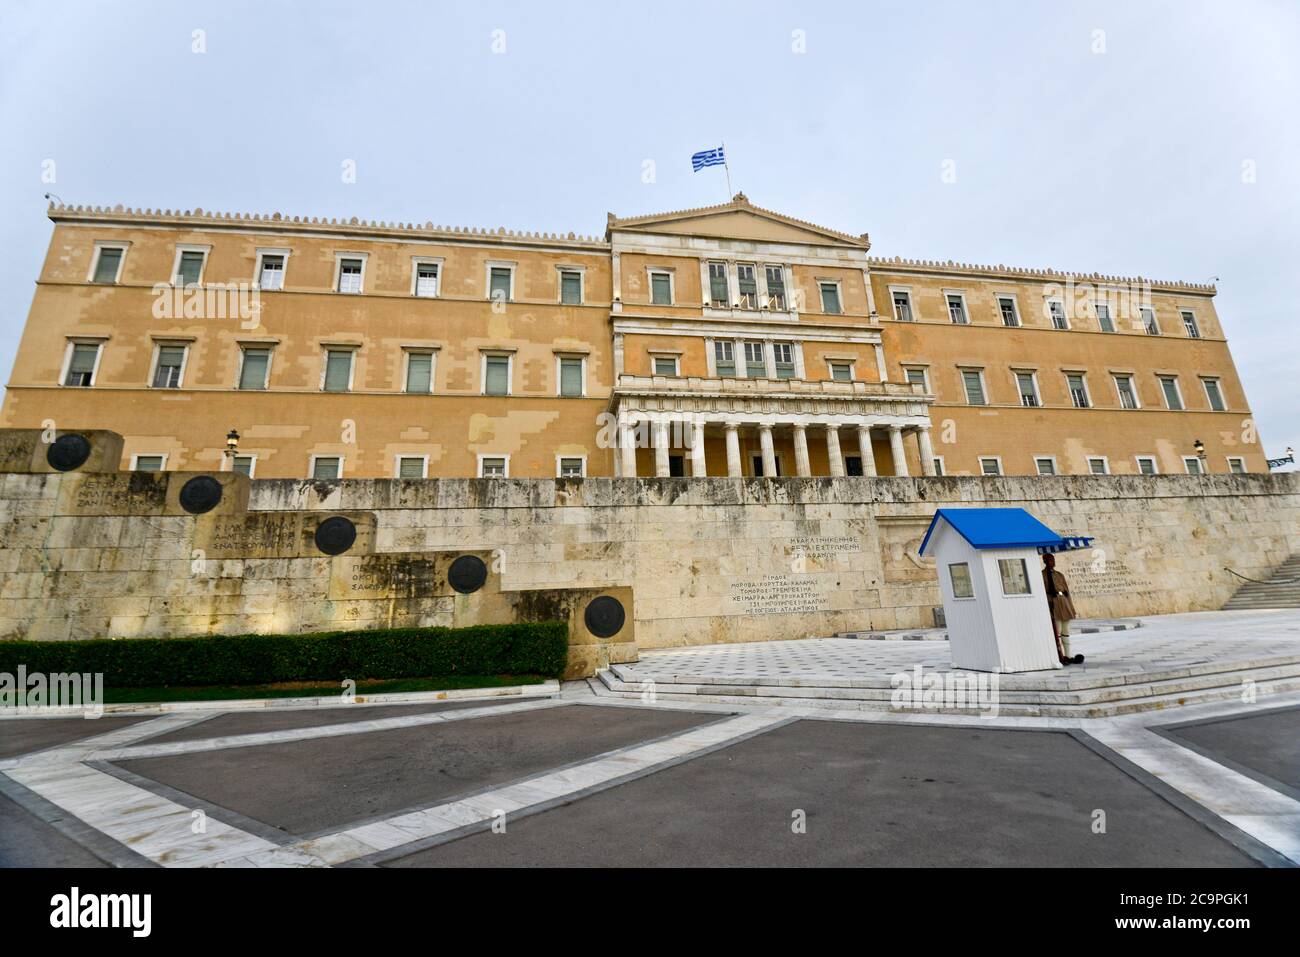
[[707, 560]]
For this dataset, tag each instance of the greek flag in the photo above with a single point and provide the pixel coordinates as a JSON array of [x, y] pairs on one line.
[[708, 158]]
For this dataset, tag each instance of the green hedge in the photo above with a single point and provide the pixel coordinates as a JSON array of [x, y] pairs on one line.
[[518, 649]]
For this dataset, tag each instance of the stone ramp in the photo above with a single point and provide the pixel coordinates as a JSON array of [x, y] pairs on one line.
[[1184, 659]]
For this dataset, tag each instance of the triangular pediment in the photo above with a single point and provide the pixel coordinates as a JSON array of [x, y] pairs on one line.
[[736, 220]]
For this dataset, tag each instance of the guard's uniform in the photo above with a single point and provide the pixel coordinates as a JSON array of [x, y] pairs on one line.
[[1059, 604]]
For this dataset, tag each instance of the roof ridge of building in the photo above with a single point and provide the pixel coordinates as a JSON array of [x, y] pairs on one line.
[[1034, 272], [198, 214], [739, 201]]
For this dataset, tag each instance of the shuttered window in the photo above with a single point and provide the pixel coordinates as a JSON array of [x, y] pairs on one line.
[[571, 377], [327, 467], [338, 370], [1078, 391], [107, 264], [661, 289], [410, 467], [252, 374], [775, 287], [1028, 389], [426, 280], [1169, 385], [419, 372], [974, 384], [499, 284], [81, 367], [718, 293], [571, 287], [496, 380], [168, 373], [190, 269]]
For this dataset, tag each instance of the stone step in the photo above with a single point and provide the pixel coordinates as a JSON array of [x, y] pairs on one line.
[[1231, 679], [1130, 705], [1280, 590], [1075, 679]]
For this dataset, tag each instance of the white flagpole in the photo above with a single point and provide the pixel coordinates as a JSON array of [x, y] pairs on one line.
[[726, 167]]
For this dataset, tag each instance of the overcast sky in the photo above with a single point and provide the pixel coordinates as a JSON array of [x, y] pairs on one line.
[[1151, 138]]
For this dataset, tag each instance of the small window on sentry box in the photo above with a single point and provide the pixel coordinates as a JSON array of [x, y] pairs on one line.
[[959, 575], [1015, 577]]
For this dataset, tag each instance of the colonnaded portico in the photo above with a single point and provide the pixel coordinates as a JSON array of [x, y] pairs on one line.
[[762, 427]]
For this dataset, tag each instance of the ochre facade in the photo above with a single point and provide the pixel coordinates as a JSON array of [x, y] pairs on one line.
[[722, 341]]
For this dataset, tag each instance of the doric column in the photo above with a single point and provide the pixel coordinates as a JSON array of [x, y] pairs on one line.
[[661, 448], [801, 466], [769, 453], [927, 450], [698, 469], [627, 447], [866, 451], [733, 450], [896, 449], [833, 450]]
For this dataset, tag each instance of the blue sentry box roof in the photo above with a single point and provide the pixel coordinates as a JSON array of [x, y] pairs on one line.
[[985, 528]]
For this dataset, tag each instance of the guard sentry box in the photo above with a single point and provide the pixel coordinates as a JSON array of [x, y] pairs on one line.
[[990, 577]]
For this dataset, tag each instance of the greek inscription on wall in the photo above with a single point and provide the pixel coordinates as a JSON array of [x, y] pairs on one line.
[[778, 595], [826, 544], [1104, 576]]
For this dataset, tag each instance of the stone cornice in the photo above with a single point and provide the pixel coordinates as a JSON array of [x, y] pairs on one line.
[[936, 268], [278, 223]]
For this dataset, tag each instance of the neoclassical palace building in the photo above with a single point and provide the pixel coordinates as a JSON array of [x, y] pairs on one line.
[[723, 341]]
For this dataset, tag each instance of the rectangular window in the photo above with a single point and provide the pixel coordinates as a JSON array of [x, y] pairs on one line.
[[410, 466], [903, 306], [1236, 465], [853, 465], [719, 295], [957, 310], [747, 281], [1149, 322], [167, 373], [917, 377], [661, 289], [665, 365], [676, 466], [990, 466], [1007, 307], [148, 463], [244, 465], [1189, 323], [959, 575], [1127, 394], [190, 268], [831, 298], [1173, 398], [338, 370], [1193, 465], [1214, 394], [1015, 576], [496, 375], [571, 376], [253, 369], [426, 280], [973, 380], [783, 357], [1078, 389], [755, 360], [1103, 317], [775, 287], [350, 275], [326, 468], [1045, 466], [938, 465], [492, 466], [1147, 465], [1057, 311], [419, 372], [81, 364], [1098, 465], [107, 264], [1028, 389], [724, 357], [272, 274], [570, 467], [499, 284], [570, 287], [841, 372]]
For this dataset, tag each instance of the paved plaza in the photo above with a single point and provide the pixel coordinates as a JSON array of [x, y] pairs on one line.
[[574, 777]]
